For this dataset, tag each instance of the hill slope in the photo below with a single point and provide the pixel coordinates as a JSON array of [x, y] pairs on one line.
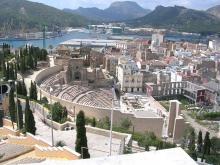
[[118, 11], [22, 14], [215, 11], [179, 18]]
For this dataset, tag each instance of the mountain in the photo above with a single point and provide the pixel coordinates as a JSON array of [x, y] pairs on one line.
[[214, 11], [179, 18], [90, 13], [117, 11], [26, 15]]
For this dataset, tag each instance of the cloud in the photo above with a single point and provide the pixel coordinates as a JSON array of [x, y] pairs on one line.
[[151, 4]]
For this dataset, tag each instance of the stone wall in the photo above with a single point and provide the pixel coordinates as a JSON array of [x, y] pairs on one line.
[[5, 131], [8, 123], [56, 152], [179, 128], [28, 140]]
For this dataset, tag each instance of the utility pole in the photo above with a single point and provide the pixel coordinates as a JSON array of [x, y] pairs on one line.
[[112, 110], [44, 37], [16, 88], [52, 139]]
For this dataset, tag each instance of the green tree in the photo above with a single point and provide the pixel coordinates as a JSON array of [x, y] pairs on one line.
[[4, 69], [30, 91], [11, 71], [126, 123], [7, 71], [191, 145], [23, 65], [44, 100], [94, 122], [29, 119], [11, 108], [24, 89], [35, 91], [19, 87], [20, 115], [59, 113], [81, 139], [60, 144], [105, 123], [206, 146], [199, 141], [215, 144], [15, 71], [193, 155]]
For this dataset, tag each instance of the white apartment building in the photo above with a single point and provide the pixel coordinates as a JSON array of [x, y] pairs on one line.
[[129, 75], [214, 45], [157, 39]]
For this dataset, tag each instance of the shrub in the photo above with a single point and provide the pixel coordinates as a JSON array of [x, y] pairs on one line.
[[59, 113], [60, 143], [208, 116], [126, 123]]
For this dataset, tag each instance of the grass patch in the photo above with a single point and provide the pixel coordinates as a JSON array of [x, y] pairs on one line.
[[165, 104]]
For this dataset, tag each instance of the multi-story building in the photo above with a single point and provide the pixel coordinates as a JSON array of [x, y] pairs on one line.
[[157, 39], [194, 93], [214, 45], [129, 75], [111, 60]]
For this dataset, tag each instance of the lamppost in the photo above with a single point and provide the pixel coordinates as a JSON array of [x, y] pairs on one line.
[[74, 110], [113, 99], [16, 89], [51, 108], [2, 80]]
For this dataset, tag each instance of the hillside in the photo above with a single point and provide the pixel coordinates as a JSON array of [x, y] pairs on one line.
[[214, 11], [26, 15], [179, 18], [117, 11]]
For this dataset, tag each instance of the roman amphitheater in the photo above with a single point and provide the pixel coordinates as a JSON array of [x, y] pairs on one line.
[[100, 98], [78, 86]]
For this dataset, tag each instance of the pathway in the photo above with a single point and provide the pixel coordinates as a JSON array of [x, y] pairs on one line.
[[197, 126]]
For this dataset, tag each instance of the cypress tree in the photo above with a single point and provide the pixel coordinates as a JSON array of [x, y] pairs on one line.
[[4, 69], [34, 91], [199, 141], [15, 71], [192, 141], [11, 71], [20, 115], [29, 119], [206, 146], [7, 71], [19, 88], [24, 90], [35, 60], [81, 139], [11, 108], [31, 91], [22, 66]]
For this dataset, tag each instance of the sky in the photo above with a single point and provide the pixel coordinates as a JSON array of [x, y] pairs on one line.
[[149, 4]]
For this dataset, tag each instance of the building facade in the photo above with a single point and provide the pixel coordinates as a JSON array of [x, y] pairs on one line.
[[129, 76]]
